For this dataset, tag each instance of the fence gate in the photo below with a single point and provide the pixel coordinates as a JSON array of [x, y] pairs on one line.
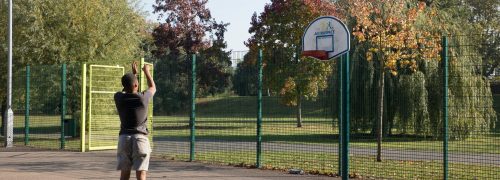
[[100, 123], [103, 121]]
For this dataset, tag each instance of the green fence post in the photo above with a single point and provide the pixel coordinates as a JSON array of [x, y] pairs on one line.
[[192, 119], [83, 107], [444, 59], [63, 103], [339, 109], [27, 109], [345, 117], [259, 112]]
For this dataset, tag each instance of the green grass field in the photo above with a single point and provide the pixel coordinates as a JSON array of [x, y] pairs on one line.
[[44, 133], [233, 119], [360, 166], [246, 106], [317, 132], [230, 119]]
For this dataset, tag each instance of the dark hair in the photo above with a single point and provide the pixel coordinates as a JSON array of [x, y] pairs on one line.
[[128, 80]]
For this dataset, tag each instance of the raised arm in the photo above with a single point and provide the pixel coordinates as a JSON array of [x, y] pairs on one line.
[[151, 83], [134, 68], [134, 71]]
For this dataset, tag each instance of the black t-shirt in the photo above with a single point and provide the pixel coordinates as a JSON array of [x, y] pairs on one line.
[[133, 111]]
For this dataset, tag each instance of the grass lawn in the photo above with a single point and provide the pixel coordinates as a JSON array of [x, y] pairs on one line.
[[246, 106], [234, 119], [45, 133], [360, 166], [314, 131], [231, 118]]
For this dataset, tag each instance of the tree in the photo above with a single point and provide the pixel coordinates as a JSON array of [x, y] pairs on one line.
[[388, 26], [185, 31], [67, 31], [486, 13], [53, 32], [473, 29], [278, 31], [481, 17], [186, 24], [215, 69], [398, 44], [245, 77]]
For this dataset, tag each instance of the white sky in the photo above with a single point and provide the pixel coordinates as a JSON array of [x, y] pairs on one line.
[[236, 12]]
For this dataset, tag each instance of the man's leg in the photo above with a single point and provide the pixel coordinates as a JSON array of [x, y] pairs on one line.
[[141, 175], [141, 154], [124, 154], [125, 175]]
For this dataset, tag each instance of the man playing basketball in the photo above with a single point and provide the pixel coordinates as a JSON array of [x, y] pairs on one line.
[[133, 145]]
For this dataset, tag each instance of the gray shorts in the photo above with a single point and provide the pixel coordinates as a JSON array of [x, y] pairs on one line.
[[133, 152]]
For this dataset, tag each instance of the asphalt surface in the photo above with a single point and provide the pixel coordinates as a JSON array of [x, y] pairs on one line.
[[23, 163]]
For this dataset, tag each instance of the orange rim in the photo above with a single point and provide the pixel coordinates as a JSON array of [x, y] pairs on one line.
[[319, 54]]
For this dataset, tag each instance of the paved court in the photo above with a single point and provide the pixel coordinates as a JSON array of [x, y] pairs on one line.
[[55, 165]]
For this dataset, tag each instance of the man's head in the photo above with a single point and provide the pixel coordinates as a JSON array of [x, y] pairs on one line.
[[130, 83]]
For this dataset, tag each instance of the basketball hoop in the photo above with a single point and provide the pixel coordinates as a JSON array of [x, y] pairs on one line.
[[318, 54], [325, 38]]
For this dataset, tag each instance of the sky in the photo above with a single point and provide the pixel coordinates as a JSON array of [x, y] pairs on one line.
[[236, 12]]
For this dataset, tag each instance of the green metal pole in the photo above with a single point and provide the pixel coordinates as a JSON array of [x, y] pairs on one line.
[[444, 57], [345, 115], [83, 107], [27, 109], [259, 113], [192, 120], [63, 103], [339, 110]]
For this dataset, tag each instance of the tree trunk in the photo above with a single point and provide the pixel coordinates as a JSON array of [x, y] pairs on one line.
[[385, 119], [391, 125], [380, 114], [299, 111]]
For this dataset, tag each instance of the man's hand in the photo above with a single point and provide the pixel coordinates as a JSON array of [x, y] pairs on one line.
[[151, 83], [134, 67], [145, 68]]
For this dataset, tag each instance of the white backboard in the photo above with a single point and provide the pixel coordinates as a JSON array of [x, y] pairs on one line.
[[327, 33]]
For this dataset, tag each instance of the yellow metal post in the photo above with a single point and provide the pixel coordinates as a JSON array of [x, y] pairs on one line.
[[83, 107], [90, 108]]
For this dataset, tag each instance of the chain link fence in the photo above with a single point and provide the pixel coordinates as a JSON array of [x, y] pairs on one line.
[[298, 126], [435, 117]]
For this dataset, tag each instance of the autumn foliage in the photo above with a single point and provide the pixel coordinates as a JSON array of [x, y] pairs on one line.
[[391, 27], [186, 23]]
